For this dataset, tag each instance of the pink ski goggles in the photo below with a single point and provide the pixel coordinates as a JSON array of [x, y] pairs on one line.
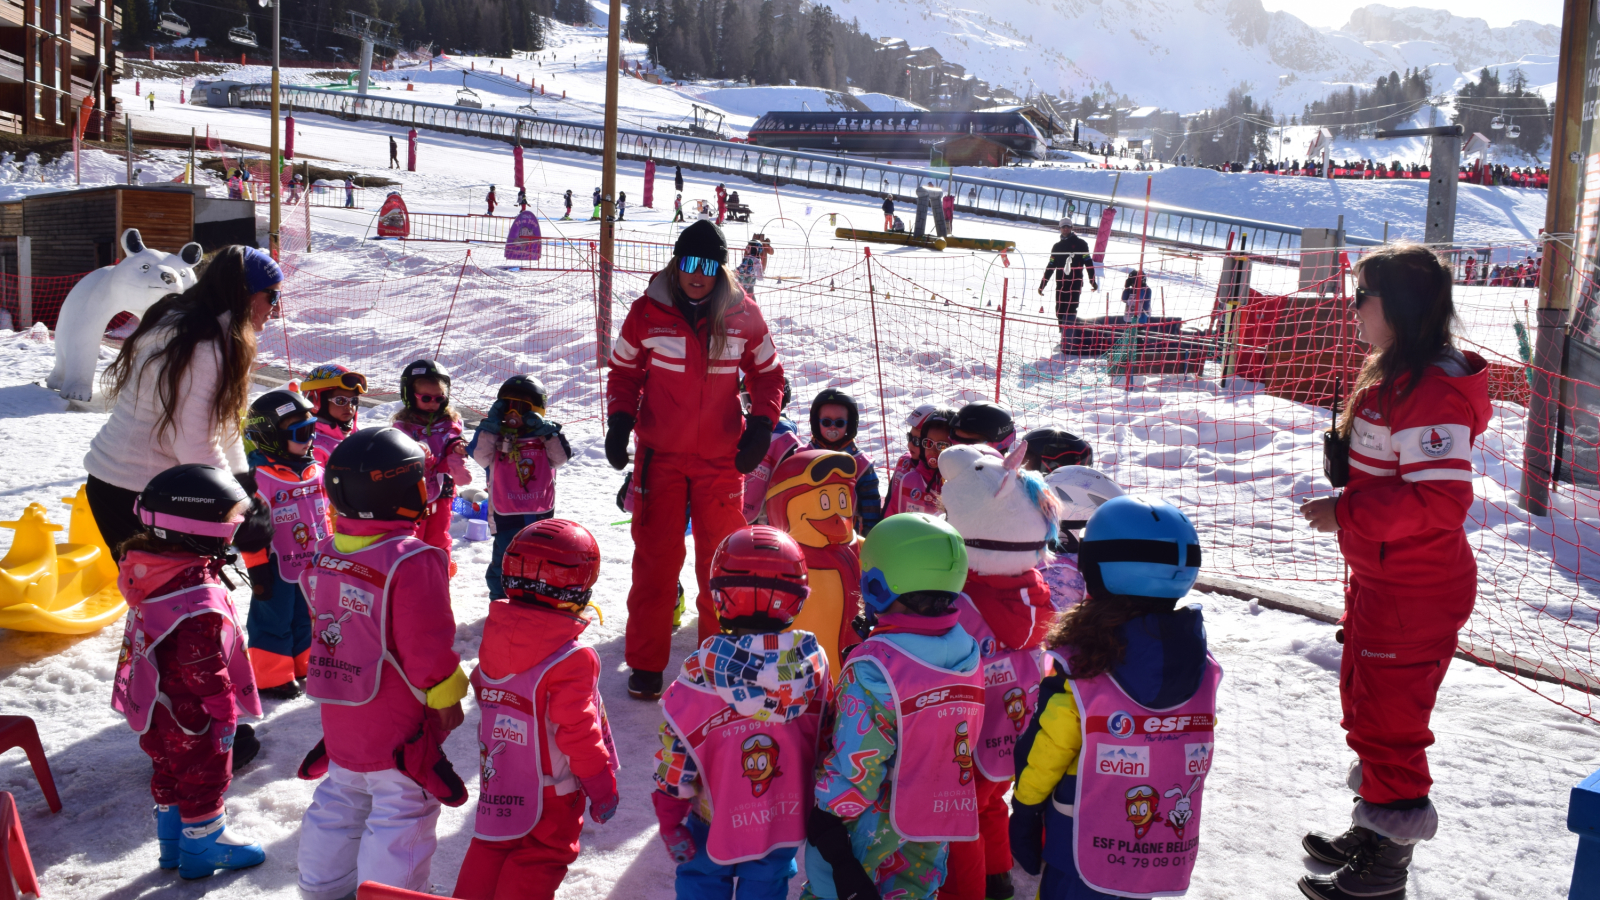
[[182, 525]]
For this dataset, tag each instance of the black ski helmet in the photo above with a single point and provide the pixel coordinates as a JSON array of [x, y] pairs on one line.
[[193, 505], [269, 412], [525, 386], [422, 368], [377, 473], [1050, 448], [986, 420], [834, 395]]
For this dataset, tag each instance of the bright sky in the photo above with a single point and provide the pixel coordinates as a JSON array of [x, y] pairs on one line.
[[1497, 14]]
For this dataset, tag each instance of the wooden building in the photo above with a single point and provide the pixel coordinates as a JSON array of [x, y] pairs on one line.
[[54, 55]]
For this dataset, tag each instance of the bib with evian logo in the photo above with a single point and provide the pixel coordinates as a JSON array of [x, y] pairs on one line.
[[521, 480], [1141, 777], [758, 775], [514, 738], [349, 597], [136, 686], [299, 516], [1010, 694], [938, 712]]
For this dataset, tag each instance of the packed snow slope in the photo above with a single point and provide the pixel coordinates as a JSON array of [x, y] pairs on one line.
[[1187, 54]]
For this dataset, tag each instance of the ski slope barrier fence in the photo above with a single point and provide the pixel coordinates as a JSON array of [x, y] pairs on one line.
[[769, 166], [1214, 406]]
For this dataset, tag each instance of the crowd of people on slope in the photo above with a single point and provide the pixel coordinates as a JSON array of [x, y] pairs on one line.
[[867, 687]]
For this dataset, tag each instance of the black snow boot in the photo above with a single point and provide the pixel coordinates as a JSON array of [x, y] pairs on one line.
[[1335, 851], [998, 887], [289, 690], [644, 685], [245, 746], [1377, 868]]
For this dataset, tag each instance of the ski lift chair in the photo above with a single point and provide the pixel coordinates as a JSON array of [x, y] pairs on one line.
[[1513, 131], [173, 24], [243, 36]]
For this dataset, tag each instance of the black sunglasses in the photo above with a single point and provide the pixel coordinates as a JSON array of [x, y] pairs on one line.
[[272, 298], [834, 423], [1361, 296]]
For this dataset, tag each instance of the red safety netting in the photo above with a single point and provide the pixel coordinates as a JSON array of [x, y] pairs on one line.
[[1213, 405], [37, 298]]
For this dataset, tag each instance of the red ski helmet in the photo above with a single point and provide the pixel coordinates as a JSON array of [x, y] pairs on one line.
[[553, 562], [758, 579]]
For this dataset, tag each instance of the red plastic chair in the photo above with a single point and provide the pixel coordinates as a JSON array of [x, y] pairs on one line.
[[16, 865], [371, 890], [19, 731]]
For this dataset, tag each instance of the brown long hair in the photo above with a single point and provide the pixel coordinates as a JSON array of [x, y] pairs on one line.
[[1415, 287], [1087, 633], [725, 295], [192, 316]]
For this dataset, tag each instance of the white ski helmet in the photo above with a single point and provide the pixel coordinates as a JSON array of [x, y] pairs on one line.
[[1081, 490]]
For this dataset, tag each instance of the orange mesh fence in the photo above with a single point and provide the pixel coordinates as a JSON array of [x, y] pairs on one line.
[[1217, 406]]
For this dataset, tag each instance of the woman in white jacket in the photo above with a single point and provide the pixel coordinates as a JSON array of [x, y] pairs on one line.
[[180, 384]]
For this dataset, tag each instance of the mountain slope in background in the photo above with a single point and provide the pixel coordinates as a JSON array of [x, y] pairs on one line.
[[1186, 54]]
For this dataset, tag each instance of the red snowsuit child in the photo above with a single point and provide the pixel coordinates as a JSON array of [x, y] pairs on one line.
[[1413, 578], [688, 425], [189, 738], [517, 637]]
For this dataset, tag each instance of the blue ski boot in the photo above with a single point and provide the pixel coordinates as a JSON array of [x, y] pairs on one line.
[[208, 847], [169, 827]]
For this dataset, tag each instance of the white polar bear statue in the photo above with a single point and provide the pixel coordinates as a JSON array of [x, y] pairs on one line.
[[133, 285]]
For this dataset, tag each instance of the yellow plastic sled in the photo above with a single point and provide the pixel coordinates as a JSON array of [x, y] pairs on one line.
[[68, 588]]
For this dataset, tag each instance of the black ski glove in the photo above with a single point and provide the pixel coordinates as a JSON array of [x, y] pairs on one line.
[[619, 427], [1027, 836], [255, 532], [826, 832], [753, 444]]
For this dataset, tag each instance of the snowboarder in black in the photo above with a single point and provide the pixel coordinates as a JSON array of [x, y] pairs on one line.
[[394, 153], [677, 179], [568, 200], [1069, 260]]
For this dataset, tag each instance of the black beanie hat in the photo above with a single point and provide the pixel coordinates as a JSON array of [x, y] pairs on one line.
[[702, 239]]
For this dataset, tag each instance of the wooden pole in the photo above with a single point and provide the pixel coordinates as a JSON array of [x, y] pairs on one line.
[[608, 182], [1558, 267], [275, 189]]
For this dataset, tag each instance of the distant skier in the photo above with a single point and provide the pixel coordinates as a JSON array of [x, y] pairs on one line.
[[152, 98], [677, 179], [888, 213], [677, 208], [349, 193], [522, 197], [568, 201], [490, 200], [596, 213], [622, 205], [394, 153], [1069, 260]]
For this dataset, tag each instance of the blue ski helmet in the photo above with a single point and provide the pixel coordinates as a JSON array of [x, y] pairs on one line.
[[1139, 549]]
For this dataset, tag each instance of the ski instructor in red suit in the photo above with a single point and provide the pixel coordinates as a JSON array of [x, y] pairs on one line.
[[675, 372], [1416, 409]]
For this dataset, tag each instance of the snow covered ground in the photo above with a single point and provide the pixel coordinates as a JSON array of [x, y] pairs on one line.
[[1503, 765], [1241, 460]]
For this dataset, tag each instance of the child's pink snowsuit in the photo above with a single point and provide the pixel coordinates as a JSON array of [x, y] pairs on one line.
[[438, 439]]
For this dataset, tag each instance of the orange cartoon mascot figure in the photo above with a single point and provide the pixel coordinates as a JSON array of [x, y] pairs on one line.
[[812, 496]]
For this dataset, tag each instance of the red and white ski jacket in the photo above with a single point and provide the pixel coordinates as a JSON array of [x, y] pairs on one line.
[[1401, 515], [659, 376]]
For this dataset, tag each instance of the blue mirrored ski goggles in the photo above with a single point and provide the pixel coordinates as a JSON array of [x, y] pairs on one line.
[[693, 264], [301, 432]]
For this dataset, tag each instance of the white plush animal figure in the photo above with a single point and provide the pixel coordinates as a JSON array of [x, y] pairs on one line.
[[133, 285], [1006, 515]]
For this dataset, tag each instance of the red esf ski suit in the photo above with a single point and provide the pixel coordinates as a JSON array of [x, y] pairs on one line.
[[1413, 578], [516, 638], [688, 424]]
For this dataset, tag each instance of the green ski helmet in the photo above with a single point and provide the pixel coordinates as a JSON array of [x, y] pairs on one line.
[[911, 552]]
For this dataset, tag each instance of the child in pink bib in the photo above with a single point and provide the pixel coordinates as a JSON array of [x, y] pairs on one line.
[[899, 782], [736, 769], [1110, 803]]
